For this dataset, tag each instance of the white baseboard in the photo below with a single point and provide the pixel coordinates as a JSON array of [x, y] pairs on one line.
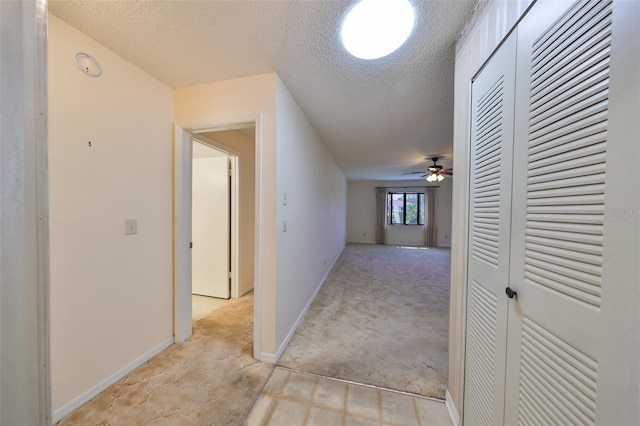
[[451, 407], [293, 329], [270, 358], [273, 358], [85, 397], [245, 291]]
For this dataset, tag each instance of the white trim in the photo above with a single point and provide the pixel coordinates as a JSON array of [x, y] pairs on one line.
[[271, 358], [43, 272], [215, 124], [24, 250], [182, 220], [235, 226], [257, 260], [451, 407], [182, 165], [85, 397], [200, 137]]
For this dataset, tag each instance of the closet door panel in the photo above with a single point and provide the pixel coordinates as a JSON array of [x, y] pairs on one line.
[[490, 204], [618, 331], [559, 364]]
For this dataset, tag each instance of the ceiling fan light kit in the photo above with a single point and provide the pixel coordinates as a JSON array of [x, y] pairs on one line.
[[433, 177], [434, 173]]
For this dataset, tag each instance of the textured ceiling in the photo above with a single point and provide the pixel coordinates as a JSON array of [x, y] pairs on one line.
[[378, 118]]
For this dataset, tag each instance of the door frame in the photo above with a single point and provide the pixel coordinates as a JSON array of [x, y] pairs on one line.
[[182, 174]]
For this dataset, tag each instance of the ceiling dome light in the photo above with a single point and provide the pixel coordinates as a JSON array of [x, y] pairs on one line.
[[374, 28]]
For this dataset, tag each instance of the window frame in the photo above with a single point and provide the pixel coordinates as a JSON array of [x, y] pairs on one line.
[[420, 197]]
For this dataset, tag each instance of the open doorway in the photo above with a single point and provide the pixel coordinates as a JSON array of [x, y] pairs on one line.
[[213, 225], [239, 143]]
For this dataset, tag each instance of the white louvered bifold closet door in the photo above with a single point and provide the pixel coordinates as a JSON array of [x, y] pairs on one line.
[[489, 227], [554, 216], [568, 356]]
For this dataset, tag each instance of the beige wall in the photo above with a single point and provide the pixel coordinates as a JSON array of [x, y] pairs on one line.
[[243, 146], [482, 36], [361, 213], [111, 294]]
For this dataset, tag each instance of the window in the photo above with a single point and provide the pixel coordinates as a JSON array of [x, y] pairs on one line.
[[405, 208]]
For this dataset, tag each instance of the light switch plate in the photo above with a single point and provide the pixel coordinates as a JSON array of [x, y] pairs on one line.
[[130, 226]]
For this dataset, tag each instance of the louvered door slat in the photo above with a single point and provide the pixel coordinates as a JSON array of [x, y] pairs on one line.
[[560, 62], [577, 139], [564, 244], [567, 31], [591, 102], [565, 162], [567, 252], [571, 388], [577, 119], [557, 31], [482, 333], [573, 92], [566, 200]]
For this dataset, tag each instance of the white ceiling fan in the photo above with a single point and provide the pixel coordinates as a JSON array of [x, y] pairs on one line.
[[435, 172]]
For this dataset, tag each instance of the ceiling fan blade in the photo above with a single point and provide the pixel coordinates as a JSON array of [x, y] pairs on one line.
[[447, 172], [412, 173]]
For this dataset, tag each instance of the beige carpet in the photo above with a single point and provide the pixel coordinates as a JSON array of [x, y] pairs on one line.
[[381, 318], [211, 379]]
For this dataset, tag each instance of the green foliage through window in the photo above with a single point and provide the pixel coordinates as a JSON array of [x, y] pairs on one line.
[[405, 208]]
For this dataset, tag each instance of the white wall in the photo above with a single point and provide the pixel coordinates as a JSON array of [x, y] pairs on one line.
[[315, 213], [361, 213], [111, 294]]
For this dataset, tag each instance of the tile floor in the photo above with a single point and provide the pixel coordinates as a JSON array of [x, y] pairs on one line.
[[296, 399]]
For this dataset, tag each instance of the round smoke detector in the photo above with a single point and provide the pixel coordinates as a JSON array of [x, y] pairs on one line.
[[88, 64]]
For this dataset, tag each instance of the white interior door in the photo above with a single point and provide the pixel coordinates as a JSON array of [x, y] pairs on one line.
[[569, 354], [210, 227], [489, 229]]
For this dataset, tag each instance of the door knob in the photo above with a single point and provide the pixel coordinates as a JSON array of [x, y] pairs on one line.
[[510, 293]]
